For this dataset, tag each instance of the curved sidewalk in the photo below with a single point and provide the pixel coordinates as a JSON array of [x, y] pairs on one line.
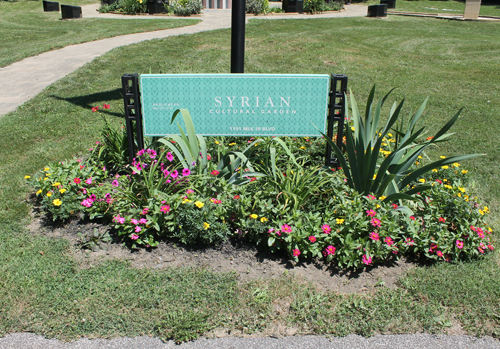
[[30, 76]]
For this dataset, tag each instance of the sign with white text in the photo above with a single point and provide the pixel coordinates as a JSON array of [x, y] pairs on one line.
[[236, 104]]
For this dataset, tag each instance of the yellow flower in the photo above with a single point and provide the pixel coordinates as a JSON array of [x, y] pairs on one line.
[[420, 156], [389, 134], [27, 177], [206, 225], [443, 157], [216, 142], [303, 148], [339, 221], [392, 140], [374, 176], [256, 144], [464, 171], [421, 180], [352, 128], [232, 143], [47, 174], [384, 144], [459, 195], [62, 190], [377, 206], [57, 202], [481, 212], [263, 220], [456, 164], [434, 170], [45, 178], [416, 162], [461, 189], [382, 197], [49, 194], [445, 167], [56, 184], [445, 180], [253, 216], [448, 186], [199, 204], [46, 169], [185, 201], [486, 209], [466, 197], [490, 230], [39, 192]]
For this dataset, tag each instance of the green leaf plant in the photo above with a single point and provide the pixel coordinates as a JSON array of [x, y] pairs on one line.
[[392, 176]]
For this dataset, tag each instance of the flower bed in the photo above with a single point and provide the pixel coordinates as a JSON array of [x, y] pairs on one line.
[[273, 192]]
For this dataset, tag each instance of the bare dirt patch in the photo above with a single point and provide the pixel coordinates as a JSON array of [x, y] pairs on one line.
[[233, 256]]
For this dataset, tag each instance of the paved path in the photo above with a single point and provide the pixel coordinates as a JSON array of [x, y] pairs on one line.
[[30, 76], [409, 341]]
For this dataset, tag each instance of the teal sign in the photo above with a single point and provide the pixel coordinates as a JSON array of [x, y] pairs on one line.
[[236, 104]]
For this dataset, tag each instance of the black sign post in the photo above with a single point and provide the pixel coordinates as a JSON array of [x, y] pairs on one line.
[[238, 36]]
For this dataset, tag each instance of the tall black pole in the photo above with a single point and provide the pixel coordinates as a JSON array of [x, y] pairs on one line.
[[238, 36]]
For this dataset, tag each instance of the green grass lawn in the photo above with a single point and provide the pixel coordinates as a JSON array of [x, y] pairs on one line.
[[25, 30], [452, 7], [454, 63]]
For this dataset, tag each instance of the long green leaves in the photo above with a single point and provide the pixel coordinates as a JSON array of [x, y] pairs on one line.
[[361, 161]]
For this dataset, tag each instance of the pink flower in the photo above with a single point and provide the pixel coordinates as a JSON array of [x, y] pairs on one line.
[[459, 244], [77, 180], [442, 220], [134, 221], [92, 198], [329, 250], [371, 213], [89, 181], [236, 197], [367, 259], [439, 254], [480, 233], [134, 237], [433, 247], [189, 191], [412, 218], [394, 206], [138, 229], [371, 197], [389, 241], [285, 228], [145, 211], [374, 236], [375, 222], [326, 228], [170, 157], [214, 173], [409, 242], [209, 157], [312, 238], [296, 252], [166, 173], [87, 203], [119, 219], [165, 209], [115, 183], [186, 172], [174, 174], [141, 152], [490, 247], [152, 153], [143, 221]]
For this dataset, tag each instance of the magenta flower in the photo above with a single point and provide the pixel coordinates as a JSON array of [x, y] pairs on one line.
[[134, 237], [152, 153], [166, 173], [371, 197], [115, 183], [77, 180], [460, 244], [186, 172], [214, 173], [296, 252], [165, 209], [371, 213], [134, 221], [145, 211], [285, 228], [367, 259], [329, 250], [89, 181], [439, 253], [375, 222], [138, 229], [388, 241], [394, 206], [143, 221], [174, 174], [480, 233], [119, 219], [409, 242], [433, 247], [326, 228], [92, 197], [374, 236], [87, 203], [140, 152], [189, 191], [412, 218], [312, 238], [170, 157]]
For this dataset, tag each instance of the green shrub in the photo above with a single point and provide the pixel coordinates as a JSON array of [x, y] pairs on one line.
[[315, 6], [188, 7], [257, 6]]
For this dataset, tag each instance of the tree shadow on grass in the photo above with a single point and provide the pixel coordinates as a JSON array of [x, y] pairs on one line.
[[89, 101]]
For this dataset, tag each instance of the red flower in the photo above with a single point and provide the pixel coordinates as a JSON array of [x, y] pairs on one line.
[[394, 206], [442, 220], [77, 180], [253, 179], [94, 109], [105, 106], [236, 197], [214, 173]]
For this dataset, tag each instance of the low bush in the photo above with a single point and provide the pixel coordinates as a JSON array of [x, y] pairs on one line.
[[187, 7], [275, 193], [257, 6]]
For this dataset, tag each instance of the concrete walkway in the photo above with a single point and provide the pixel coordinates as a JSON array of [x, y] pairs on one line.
[[30, 76]]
